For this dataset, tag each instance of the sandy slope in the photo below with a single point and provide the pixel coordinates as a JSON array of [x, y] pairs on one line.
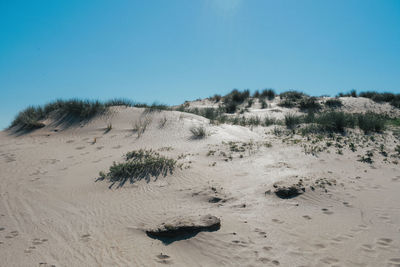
[[52, 212]]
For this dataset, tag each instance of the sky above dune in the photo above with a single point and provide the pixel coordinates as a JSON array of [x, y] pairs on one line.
[[177, 50]]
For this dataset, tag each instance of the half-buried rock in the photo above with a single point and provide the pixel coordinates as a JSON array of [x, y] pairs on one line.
[[184, 228], [288, 192]]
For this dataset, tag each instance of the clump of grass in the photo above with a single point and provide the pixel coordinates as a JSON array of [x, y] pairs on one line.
[[393, 99], [270, 121], [156, 107], [335, 121], [267, 93], [371, 122], [367, 158], [140, 126], [292, 120], [309, 104], [108, 128], [263, 104], [71, 110], [198, 132], [138, 165], [292, 95], [235, 98], [333, 103], [119, 102], [28, 119], [352, 93]]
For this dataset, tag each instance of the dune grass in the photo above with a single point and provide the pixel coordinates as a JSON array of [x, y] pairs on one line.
[[198, 132], [138, 165], [74, 109]]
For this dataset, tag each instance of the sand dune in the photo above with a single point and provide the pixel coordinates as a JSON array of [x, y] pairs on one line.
[[53, 213]]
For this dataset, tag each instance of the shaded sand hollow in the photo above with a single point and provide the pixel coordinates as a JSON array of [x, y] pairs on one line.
[[52, 212]]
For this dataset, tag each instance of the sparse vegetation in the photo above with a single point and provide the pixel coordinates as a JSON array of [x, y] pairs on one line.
[[138, 165], [309, 104], [198, 132], [291, 120], [140, 126], [333, 103], [267, 93], [73, 110], [371, 122]]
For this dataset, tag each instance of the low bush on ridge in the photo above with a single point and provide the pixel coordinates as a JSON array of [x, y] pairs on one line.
[[29, 118], [72, 110], [138, 165], [333, 103]]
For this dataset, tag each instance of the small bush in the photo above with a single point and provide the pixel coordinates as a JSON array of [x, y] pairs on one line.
[[268, 93], [333, 103], [309, 104], [231, 107], [263, 104], [352, 93], [138, 165], [156, 107], [287, 103], [198, 132], [335, 121], [371, 122], [269, 121], [291, 120], [292, 95]]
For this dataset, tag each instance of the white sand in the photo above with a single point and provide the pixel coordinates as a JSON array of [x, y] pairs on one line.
[[52, 212]]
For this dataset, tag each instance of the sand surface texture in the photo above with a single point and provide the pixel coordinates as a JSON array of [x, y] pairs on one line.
[[53, 213]]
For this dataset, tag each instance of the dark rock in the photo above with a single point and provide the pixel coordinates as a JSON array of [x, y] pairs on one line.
[[288, 192], [184, 228]]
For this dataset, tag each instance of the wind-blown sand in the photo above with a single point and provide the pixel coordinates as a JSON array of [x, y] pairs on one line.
[[52, 212]]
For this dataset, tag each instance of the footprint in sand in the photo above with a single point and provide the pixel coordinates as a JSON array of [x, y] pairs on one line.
[[164, 259], [329, 260], [38, 241], [384, 242], [277, 221], [327, 211], [2, 229], [367, 248], [85, 237], [394, 262], [306, 217], [79, 147], [12, 234]]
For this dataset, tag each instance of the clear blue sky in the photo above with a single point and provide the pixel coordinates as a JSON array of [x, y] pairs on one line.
[[176, 50]]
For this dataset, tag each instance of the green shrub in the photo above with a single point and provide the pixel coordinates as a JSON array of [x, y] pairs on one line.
[[287, 103], [333, 103], [335, 121], [269, 121], [309, 104], [268, 93], [371, 122], [138, 165], [352, 93], [292, 95], [292, 120]]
